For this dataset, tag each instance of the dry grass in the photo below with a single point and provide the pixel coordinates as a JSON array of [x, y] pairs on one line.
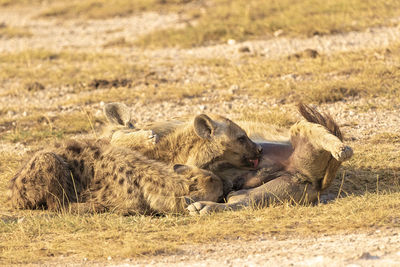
[[13, 32], [20, 2], [108, 76], [66, 68], [34, 237], [40, 236], [211, 22], [326, 78], [37, 129], [101, 9], [240, 20]]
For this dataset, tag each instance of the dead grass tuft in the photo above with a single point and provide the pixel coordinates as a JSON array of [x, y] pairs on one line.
[[118, 42], [13, 32], [101, 9]]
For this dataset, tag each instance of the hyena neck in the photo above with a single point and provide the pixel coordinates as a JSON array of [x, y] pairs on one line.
[[184, 146]]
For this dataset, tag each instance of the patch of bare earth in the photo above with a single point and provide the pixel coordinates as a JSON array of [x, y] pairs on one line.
[[377, 248]]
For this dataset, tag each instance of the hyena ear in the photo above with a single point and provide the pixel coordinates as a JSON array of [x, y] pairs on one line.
[[180, 168], [118, 113], [204, 126]]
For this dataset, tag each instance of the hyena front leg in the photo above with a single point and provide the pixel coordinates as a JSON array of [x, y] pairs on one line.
[[321, 139], [141, 139], [284, 189]]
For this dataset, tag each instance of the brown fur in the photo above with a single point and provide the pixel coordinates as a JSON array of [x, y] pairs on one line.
[[95, 175], [183, 144], [315, 153], [102, 177], [296, 170]]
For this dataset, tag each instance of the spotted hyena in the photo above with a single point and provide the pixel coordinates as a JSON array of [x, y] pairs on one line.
[[95, 175]]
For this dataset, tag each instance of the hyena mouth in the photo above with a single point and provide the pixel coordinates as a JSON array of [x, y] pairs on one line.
[[252, 163]]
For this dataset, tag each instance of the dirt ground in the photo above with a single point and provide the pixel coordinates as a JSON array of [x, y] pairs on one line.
[[373, 248], [380, 247]]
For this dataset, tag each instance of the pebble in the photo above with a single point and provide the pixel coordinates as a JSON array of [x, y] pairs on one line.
[[234, 88], [231, 42], [368, 256], [244, 49], [278, 33]]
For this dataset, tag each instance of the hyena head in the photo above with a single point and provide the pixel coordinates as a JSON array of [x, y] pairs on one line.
[[234, 146], [216, 138]]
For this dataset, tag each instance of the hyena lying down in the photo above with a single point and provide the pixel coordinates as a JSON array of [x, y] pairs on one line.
[[95, 176], [296, 170]]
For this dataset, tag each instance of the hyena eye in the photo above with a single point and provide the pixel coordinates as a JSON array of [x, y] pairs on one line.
[[242, 139], [130, 125]]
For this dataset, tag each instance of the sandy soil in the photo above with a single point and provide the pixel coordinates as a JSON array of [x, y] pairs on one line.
[[377, 248]]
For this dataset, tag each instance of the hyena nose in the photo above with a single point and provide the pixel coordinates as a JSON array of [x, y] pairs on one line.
[[259, 149]]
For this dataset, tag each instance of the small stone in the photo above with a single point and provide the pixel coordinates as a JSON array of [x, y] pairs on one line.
[[109, 258], [244, 49], [102, 104], [233, 88], [368, 256], [289, 76], [25, 114], [311, 53], [278, 32], [231, 42], [10, 113], [34, 86]]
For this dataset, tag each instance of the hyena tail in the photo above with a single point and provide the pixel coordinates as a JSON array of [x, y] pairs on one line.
[[311, 114]]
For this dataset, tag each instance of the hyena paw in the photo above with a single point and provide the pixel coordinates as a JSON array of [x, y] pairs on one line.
[[342, 153], [150, 137], [201, 208]]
